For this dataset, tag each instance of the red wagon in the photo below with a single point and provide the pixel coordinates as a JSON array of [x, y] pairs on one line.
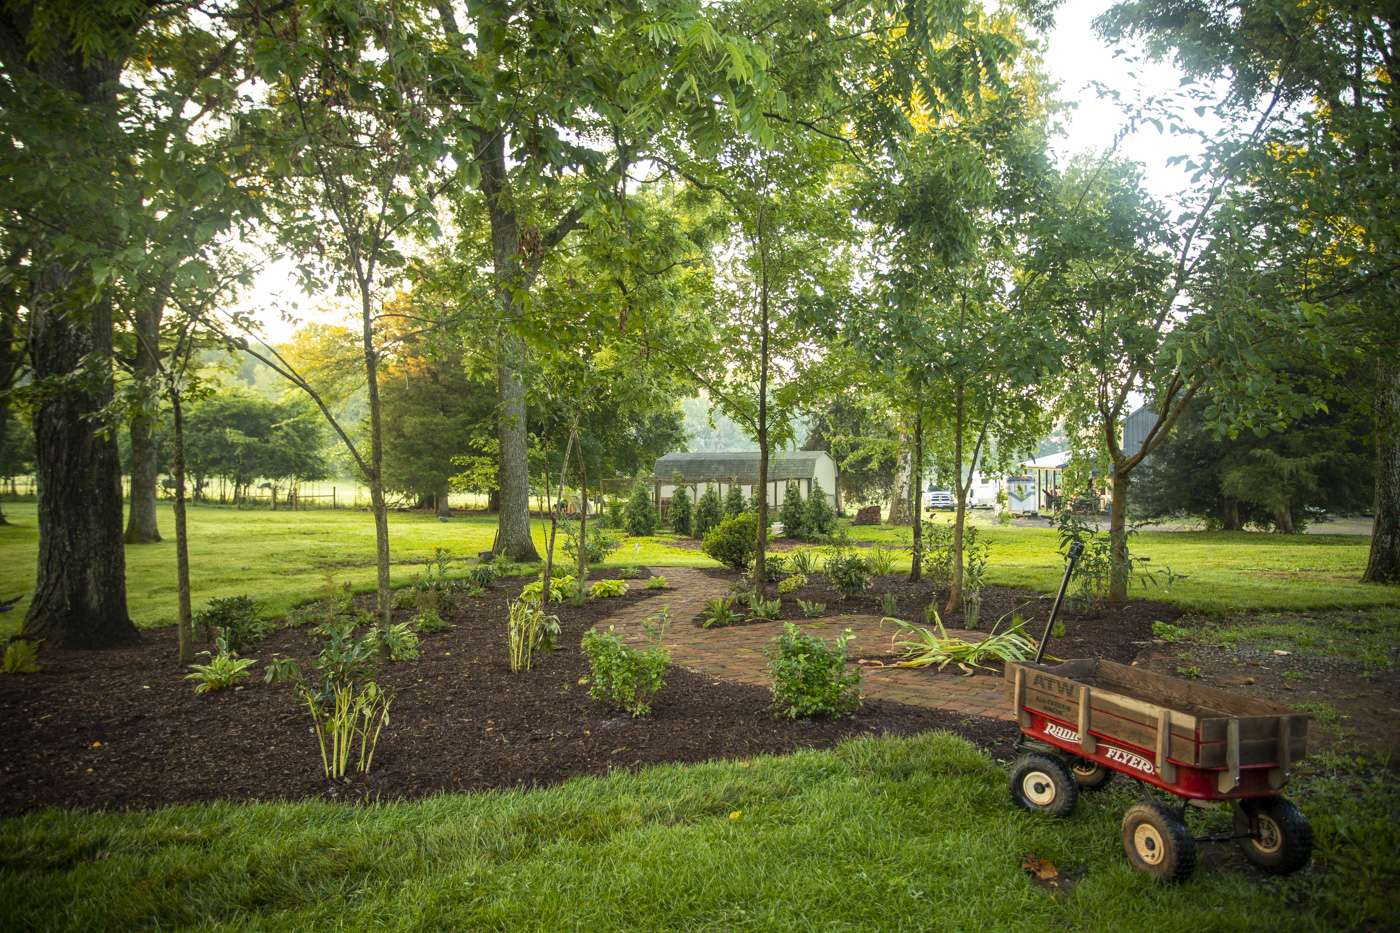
[[1082, 721]]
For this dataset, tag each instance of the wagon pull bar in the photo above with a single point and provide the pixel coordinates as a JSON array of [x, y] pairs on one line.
[[1076, 548]]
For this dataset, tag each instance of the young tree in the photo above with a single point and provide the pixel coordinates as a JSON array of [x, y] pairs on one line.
[[680, 513], [734, 500], [791, 513], [818, 519], [641, 514], [709, 511]]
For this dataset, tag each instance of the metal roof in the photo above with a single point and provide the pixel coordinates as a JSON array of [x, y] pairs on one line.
[[737, 466]]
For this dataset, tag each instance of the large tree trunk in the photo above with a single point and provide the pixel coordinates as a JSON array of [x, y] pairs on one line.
[[141, 527], [1121, 570], [905, 492], [184, 621], [513, 538], [444, 510], [1383, 566], [1230, 514], [80, 589]]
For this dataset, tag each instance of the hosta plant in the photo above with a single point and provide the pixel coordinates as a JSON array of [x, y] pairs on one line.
[[656, 582], [718, 613], [223, 671], [398, 642], [561, 587], [924, 648], [766, 609], [429, 622], [21, 657], [810, 609], [529, 630], [607, 589]]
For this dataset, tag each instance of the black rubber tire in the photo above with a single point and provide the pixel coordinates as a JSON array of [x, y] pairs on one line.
[[1157, 842], [1285, 839], [1090, 775], [1043, 784]]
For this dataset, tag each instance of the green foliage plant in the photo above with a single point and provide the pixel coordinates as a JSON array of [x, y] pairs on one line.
[[733, 540], [802, 560], [561, 587], [719, 612], [847, 572], [938, 554], [681, 515], [21, 657], [656, 582], [396, 643], [792, 584], [810, 677], [623, 676], [923, 648], [640, 517], [765, 609], [428, 622], [601, 541], [529, 630], [811, 609], [234, 620], [223, 670], [709, 512], [607, 589], [792, 514], [629, 573], [482, 575], [889, 604], [819, 520], [734, 501], [1167, 632], [348, 725], [881, 561]]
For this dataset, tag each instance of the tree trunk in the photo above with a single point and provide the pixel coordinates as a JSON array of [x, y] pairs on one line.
[[1383, 566], [580, 595], [4, 467], [916, 568], [141, 526], [184, 621], [1283, 520], [513, 472], [376, 461], [905, 493], [80, 590], [1230, 515], [444, 510], [760, 583], [1120, 571], [955, 584]]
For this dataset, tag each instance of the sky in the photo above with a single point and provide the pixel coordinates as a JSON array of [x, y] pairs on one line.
[[1074, 57]]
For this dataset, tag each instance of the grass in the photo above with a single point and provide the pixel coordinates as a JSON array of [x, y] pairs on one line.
[[283, 557], [1371, 637], [878, 833]]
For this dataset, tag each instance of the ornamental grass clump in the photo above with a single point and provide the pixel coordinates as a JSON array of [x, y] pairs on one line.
[[623, 676], [810, 678], [923, 648], [529, 630]]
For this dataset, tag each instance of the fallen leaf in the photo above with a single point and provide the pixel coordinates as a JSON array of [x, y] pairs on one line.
[[1041, 868], [96, 744]]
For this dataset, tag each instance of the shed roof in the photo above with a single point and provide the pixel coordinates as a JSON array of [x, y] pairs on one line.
[[737, 466]]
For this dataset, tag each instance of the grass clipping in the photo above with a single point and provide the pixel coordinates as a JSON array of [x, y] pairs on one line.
[[923, 648]]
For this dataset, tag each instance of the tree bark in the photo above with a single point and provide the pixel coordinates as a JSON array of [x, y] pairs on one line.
[[581, 594], [141, 525], [376, 460], [760, 583], [185, 619], [1118, 538], [444, 510], [916, 506], [905, 493], [1230, 515], [80, 589], [1383, 565]]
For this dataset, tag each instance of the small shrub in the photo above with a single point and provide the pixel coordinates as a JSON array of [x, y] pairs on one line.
[[223, 671], [889, 604], [398, 642], [938, 554], [21, 657], [811, 609], [482, 575], [406, 598], [774, 567], [791, 513], [732, 541], [232, 620], [629, 573], [734, 501], [709, 512], [819, 521], [656, 582], [615, 512], [718, 613], [625, 677], [1165, 631], [810, 677], [881, 562], [972, 609], [680, 512], [792, 584], [607, 589], [847, 572], [640, 518], [529, 630], [601, 541], [428, 622], [803, 561], [765, 609]]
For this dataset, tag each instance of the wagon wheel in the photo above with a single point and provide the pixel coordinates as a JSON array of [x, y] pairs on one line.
[[1043, 784], [1157, 841], [1089, 775], [1280, 840]]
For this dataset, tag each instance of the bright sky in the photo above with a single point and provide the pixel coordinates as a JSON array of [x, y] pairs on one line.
[[1074, 57]]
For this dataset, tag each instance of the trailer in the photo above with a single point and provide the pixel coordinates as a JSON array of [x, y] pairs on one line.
[[1083, 721]]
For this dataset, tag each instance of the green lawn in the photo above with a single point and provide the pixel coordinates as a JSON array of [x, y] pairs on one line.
[[283, 557], [877, 834]]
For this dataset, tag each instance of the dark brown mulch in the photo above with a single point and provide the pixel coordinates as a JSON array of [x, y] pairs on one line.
[[1117, 633], [123, 729]]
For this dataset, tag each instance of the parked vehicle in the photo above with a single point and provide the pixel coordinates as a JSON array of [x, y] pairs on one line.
[[939, 499]]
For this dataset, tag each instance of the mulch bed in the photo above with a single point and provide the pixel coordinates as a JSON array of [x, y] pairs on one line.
[[1116, 633], [123, 729]]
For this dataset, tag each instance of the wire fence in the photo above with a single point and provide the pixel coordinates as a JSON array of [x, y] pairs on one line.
[[329, 494]]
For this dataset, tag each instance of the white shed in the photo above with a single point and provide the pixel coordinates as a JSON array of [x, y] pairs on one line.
[[697, 472]]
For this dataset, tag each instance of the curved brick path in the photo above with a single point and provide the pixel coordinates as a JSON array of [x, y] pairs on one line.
[[737, 653]]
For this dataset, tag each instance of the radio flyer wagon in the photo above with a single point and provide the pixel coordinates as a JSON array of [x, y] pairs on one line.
[[1082, 721]]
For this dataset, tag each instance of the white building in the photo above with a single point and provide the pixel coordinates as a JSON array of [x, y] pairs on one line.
[[697, 472]]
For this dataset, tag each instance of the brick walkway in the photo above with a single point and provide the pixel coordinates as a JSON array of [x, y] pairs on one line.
[[737, 653]]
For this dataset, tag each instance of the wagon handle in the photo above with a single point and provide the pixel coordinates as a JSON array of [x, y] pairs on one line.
[[1076, 548]]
